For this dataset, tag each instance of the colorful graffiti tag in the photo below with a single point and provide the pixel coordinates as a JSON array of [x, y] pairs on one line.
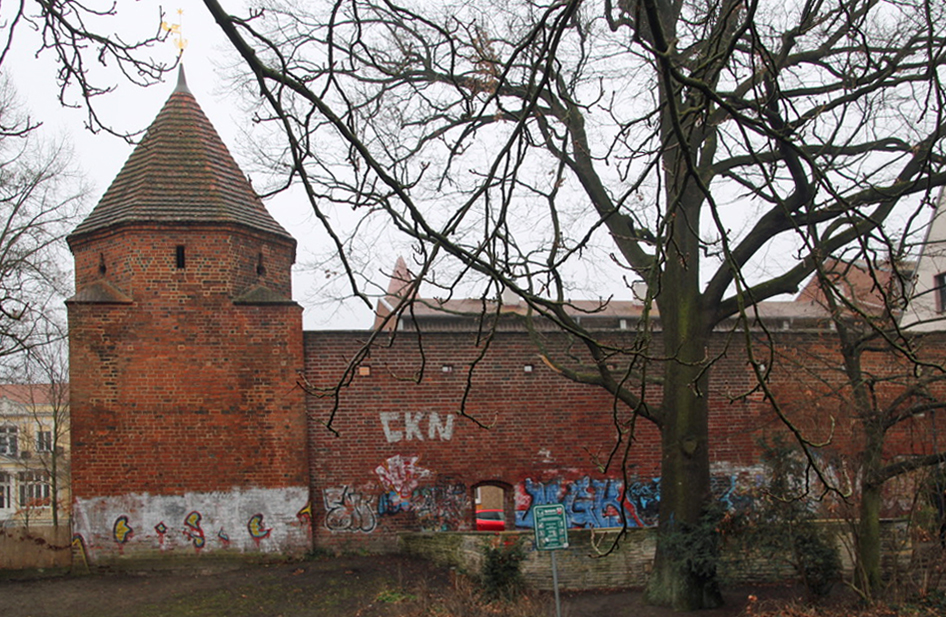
[[257, 529], [588, 503], [162, 531], [642, 502], [192, 530], [401, 474], [348, 511], [592, 503], [304, 516], [440, 508], [436, 508], [79, 550], [121, 530]]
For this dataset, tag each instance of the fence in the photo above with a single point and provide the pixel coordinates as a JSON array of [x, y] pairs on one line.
[[35, 547]]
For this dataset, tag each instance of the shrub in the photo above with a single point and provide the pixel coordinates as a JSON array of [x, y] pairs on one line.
[[816, 559], [501, 576]]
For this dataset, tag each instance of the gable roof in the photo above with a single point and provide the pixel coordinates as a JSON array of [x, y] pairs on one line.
[[33, 393], [873, 288], [410, 310], [181, 173]]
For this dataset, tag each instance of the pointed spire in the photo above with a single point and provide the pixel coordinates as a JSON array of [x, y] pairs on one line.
[[180, 173], [181, 80], [399, 288]]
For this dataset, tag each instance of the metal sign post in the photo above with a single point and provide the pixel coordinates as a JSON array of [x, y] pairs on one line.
[[551, 534]]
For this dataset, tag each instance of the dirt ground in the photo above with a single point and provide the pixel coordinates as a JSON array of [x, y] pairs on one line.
[[363, 586]]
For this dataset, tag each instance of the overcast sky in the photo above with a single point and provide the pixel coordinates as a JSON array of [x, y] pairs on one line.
[[132, 108]]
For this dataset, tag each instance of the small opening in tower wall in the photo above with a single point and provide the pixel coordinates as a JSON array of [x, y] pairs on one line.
[[179, 260], [260, 268], [102, 267]]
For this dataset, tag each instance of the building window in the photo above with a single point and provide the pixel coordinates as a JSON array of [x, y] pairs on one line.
[[179, 256], [44, 441], [939, 288], [8, 440], [34, 489], [5, 491]]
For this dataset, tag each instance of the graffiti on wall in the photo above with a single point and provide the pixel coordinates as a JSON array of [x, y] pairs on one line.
[[235, 520], [257, 529], [410, 426], [401, 474], [641, 502], [435, 508], [440, 508], [192, 530], [79, 550], [121, 530], [162, 530], [588, 503], [591, 503], [347, 510], [304, 516]]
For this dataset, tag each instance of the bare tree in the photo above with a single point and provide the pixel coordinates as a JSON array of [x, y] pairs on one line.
[[692, 138], [881, 376], [40, 198], [682, 140], [46, 380]]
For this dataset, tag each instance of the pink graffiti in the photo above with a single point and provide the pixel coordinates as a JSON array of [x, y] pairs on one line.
[[162, 530], [401, 474]]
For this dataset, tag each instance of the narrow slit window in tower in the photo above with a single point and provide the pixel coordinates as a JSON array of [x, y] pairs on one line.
[[179, 256]]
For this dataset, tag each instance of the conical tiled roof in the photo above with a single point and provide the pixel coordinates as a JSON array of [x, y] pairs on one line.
[[180, 173]]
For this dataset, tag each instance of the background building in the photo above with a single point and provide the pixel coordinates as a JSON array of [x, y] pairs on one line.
[[34, 454]]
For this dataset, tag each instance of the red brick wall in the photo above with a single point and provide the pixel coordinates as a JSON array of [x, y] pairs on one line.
[[140, 260], [543, 434], [182, 390]]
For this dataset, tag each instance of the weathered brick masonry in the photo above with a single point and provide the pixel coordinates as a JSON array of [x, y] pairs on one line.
[[394, 467], [188, 431], [191, 435]]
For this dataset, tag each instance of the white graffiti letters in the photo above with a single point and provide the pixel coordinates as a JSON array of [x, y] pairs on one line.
[[412, 426], [435, 428], [389, 433], [408, 428], [401, 474]]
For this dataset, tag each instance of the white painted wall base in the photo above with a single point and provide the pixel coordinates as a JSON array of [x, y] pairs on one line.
[[237, 521]]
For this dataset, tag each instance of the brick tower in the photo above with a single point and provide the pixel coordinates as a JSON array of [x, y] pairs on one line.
[[188, 431]]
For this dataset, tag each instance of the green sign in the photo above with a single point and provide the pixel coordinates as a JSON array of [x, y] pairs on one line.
[[551, 528]]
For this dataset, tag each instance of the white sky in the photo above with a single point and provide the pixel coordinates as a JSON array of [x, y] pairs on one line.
[[131, 108]]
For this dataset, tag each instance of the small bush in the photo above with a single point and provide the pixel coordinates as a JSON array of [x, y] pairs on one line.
[[779, 524], [501, 576], [817, 559]]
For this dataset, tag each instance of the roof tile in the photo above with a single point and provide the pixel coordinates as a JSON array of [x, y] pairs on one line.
[[180, 173]]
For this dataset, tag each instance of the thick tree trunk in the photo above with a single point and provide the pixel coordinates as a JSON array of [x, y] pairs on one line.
[[684, 575]]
